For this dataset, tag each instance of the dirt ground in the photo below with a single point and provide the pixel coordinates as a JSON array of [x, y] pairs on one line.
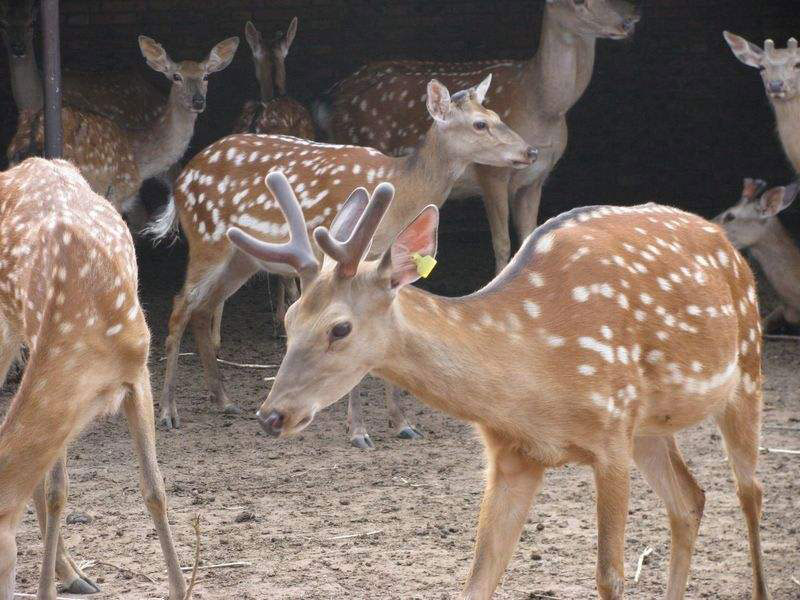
[[315, 518]]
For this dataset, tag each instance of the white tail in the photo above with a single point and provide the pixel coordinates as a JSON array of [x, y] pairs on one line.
[[68, 292], [612, 329]]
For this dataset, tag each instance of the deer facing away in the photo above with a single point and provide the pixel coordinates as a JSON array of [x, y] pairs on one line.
[[614, 328], [381, 105], [68, 291], [223, 185], [753, 224]]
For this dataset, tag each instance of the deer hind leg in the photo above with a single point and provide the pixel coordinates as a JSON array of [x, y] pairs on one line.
[[662, 465], [138, 407], [494, 185], [511, 484], [740, 424], [216, 329], [613, 488], [525, 209], [181, 312], [397, 418]]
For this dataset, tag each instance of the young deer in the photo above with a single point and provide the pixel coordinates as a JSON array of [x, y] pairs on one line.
[[68, 292], [381, 105], [223, 186], [115, 161], [123, 96], [753, 223], [276, 113], [780, 70], [613, 328]]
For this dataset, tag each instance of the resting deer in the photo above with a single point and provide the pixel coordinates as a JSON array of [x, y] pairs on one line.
[[612, 329], [69, 293], [780, 70], [381, 105], [223, 186], [752, 223], [115, 161], [123, 96]]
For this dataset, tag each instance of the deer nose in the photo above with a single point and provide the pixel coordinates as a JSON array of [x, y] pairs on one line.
[[198, 102], [532, 153], [775, 87], [272, 424], [629, 23]]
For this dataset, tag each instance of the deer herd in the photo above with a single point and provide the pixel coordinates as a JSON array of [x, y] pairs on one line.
[[613, 327]]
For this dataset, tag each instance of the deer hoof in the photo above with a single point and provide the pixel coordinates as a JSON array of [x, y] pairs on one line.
[[169, 422], [409, 433], [81, 586], [231, 409], [362, 441]]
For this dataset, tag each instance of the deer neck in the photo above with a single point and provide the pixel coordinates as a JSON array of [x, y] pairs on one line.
[[26, 83], [558, 75], [787, 115], [779, 257], [280, 77], [264, 78], [158, 147]]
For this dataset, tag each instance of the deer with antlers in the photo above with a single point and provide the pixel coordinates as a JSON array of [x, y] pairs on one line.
[[752, 224], [223, 186], [613, 328], [382, 105], [115, 161], [69, 293]]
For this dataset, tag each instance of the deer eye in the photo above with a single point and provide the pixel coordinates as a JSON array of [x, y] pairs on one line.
[[340, 330], [177, 77], [579, 2], [205, 77], [480, 125], [728, 218]]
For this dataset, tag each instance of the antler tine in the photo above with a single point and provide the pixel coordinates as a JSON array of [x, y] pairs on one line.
[[297, 252], [792, 44], [349, 253], [769, 46], [752, 188]]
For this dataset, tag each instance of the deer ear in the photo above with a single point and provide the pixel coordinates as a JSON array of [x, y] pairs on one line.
[[745, 51], [253, 37], [288, 38], [351, 211], [221, 55], [438, 100], [155, 55], [482, 88], [775, 200], [417, 241]]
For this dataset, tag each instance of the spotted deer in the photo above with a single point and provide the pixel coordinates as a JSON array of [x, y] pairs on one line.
[[753, 224], [124, 96], [69, 293], [115, 161], [224, 185], [612, 329], [381, 105]]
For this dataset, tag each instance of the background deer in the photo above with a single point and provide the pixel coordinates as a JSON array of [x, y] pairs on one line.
[[752, 223], [780, 70], [68, 292], [613, 328], [223, 185], [124, 96], [115, 161], [381, 105]]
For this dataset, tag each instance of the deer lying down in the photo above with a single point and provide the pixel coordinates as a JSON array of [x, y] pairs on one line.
[[752, 223], [604, 347]]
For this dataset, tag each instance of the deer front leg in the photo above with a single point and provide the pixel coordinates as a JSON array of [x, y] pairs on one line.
[[355, 420], [512, 483], [612, 483], [494, 185], [397, 418], [181, 312], [216, 328], [525, 209]]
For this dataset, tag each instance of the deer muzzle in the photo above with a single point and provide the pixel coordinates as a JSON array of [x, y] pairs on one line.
[[272, 424]]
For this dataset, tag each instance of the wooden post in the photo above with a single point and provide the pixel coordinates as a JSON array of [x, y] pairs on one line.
[[53, 133]]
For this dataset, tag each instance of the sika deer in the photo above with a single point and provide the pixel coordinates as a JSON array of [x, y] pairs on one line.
[[381, 105], [612, 329], [68, 292], [223, 185], [752, 223], [780, 70], [115, 161]]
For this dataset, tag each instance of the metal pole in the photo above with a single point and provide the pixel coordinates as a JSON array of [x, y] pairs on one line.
[[53, 134]]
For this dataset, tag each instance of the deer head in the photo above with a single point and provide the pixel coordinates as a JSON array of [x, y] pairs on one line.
[[780, 68], [748, 221], [189, 78], [270, 62], [475, 133], [339, 328], [615, 19], [16, 23]]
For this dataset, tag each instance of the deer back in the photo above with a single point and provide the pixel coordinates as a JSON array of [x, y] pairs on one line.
[[280, 116]]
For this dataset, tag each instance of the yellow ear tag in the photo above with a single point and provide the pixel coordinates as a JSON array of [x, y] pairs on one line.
[[425, 264]]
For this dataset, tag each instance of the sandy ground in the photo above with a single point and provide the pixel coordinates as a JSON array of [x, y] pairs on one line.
[[324, 520]]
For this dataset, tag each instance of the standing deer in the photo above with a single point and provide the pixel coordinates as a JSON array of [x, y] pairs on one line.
[[752, 223], [123, 96], [612, 329], [381, 105], [223, 186], [69, 293], [115, 161]]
